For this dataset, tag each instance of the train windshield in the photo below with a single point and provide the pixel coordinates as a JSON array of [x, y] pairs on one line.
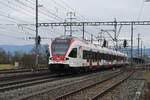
[[60, 46]]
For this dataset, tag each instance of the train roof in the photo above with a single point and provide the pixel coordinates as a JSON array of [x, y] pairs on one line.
[[66, 37]]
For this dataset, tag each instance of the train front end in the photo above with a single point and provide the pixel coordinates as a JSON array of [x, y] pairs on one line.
[[58, 60]]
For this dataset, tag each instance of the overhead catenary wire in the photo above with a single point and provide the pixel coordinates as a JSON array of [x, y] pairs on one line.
[[51, 15], [66, 7], [13, 8], [17, 25], [73, 10], [47, 10], [24, 8], [141, 10], [31, 9], [59, 5], [6, 35], [44, 11], [14, 20], [18, 10], [16, 30]]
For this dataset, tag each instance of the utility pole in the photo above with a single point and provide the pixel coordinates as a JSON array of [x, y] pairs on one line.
[[91, 38], [144, 54], [36, 38], [138, 45], [83, 32], [144, 51], [115, 34], [131, 44], [65, 30], [71, 15], [141, 49]]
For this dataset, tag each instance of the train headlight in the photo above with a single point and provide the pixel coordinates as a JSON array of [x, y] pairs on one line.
[[66, 59], [51, 58]]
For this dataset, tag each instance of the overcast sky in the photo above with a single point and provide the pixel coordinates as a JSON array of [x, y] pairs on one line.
[[17, 12]]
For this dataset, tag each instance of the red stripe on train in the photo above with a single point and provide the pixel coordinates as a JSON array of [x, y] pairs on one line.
[[98, 65], [58, 58], [91, 59]]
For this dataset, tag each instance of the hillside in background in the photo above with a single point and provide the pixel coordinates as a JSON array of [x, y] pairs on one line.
[[28, 48], [13, 48], [135, 52]]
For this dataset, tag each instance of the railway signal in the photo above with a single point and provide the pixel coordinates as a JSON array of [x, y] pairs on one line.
[[104, 43], [125, 43], [36, 39], [39, 40]]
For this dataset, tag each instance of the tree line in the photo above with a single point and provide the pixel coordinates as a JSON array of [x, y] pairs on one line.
[[26, 60]]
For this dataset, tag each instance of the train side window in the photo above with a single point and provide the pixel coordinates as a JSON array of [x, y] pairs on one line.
[[118, 58], [115, 57], [88, 56], [85, 54], [73, 53], [97, 58], [108, 57], [105, 56], [111, 57], [101, 56], [93, 56]]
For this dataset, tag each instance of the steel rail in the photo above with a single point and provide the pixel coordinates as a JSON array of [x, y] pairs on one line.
[[23, 75], [27, 96], [89, 86], [8, 71], [26, 83], [111, 87], [24, 80]]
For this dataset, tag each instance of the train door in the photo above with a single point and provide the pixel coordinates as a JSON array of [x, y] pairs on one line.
[[72, 57], [101, 59], [91, 59], [79, 55]]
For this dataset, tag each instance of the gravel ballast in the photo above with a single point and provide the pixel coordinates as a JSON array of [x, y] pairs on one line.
[[127, 90], [32, 89]]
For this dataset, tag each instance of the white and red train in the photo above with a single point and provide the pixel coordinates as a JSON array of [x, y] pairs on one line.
[[71, 54]]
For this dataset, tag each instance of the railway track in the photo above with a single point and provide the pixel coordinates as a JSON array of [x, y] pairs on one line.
[[33, 79], [96, 90], [111, 87], [7, 86], [17, 76], [19, 70], [64, 89]]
